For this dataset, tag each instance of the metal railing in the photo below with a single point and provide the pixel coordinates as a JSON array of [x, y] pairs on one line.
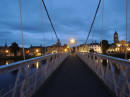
[[30, 74], [114, 72]]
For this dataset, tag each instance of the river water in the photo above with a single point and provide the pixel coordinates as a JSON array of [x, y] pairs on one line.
[[7, 80], [6, 62]]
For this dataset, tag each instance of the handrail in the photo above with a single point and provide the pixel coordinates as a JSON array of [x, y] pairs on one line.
[[123, 61], [31, 74], [16, 65], [114, 72]]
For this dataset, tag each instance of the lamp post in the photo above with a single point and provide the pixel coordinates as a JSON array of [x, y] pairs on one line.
[[72, 42], [126, 27]]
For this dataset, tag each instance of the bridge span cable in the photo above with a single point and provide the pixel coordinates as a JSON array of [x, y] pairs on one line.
[[93, 21], [126, 27], [50, 20], [42, 22], [22, 29], [102, 22]]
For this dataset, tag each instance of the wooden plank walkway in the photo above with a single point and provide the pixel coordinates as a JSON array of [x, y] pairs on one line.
[[73, 79]]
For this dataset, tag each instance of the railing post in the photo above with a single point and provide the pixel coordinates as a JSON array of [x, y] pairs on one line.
[[47, 66], [16, 83], [35, 80], [99, 67], [125, 83], [25, 76], [27, 82], [108, 72], [114, 80]]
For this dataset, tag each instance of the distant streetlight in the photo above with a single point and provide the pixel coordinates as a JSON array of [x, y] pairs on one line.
[[68, 47], [118, 45], [128, 49], [6, 51], [37, 50], [65, 50], [72, 41], [37, 65]]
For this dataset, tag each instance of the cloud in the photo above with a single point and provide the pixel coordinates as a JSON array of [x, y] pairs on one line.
[[71, 18]]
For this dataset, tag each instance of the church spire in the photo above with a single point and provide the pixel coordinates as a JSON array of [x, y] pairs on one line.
[[116, 40]]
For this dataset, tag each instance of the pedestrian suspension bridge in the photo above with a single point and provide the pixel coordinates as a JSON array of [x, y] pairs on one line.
[[68, 74]]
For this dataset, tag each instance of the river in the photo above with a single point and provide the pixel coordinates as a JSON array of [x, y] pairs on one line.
[[6, 62], [8, 79]]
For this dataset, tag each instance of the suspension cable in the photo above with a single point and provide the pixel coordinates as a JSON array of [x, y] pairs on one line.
[[42, 21], [92, 38], [126, 26], [50, 20], [51, 7], [93, 21], [102, 22], [22, 29]]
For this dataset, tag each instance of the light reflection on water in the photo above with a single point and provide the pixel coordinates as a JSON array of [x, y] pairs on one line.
[[37, 65], [8, 79], [6, 62]]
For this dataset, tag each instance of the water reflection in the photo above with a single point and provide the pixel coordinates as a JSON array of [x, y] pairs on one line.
[[37, 65], [28, 65], [6, 62]]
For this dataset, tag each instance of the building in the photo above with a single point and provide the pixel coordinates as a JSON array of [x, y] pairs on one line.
[[86, 48], [96, 47], [35, 50], [4, 50], [83, 48], [122, 46], [116, 40], [111, 49], [119, 46], [57, 49]]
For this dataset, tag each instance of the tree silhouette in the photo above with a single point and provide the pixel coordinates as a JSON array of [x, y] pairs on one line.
[[105, 46], [14, 48]]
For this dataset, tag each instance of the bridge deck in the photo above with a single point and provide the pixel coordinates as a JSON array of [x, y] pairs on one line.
[[73, 79]]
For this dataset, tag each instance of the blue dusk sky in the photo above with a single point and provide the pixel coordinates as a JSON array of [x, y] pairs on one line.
[[71, 18]]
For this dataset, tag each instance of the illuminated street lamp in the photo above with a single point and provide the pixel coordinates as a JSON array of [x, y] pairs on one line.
[[73, 44], [72, 41], [37, 65], [68, 47], [7, 51], [37, 50], [65, 50], [118, 45], [128, 49]]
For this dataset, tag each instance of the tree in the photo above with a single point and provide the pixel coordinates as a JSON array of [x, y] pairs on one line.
[[14, 48], [105, 46], [91, 50]]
